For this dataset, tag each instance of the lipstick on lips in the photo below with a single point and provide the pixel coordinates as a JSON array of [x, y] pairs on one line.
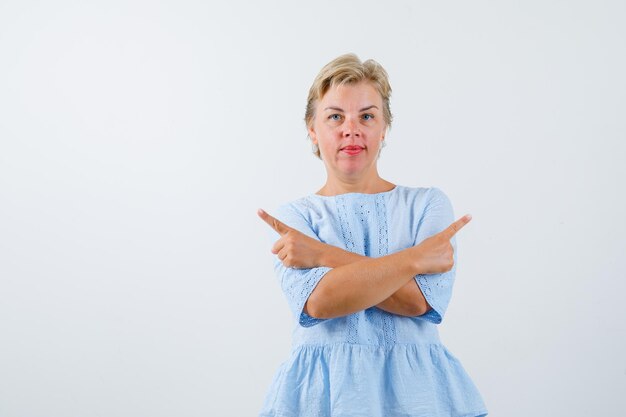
[[352, 150]]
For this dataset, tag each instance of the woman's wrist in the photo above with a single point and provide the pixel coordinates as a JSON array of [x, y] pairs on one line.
[[326, 255], [415, 259], [333, 257]]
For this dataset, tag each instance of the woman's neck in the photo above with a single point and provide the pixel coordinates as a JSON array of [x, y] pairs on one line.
[[337, 186]]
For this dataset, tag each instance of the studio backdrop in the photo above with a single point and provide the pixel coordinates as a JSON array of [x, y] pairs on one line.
[[138, 139]]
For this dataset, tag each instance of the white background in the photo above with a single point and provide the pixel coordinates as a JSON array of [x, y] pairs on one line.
[[137, 140]]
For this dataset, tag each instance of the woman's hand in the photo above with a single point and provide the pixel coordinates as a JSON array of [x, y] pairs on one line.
[[294, 249], [436, 254]]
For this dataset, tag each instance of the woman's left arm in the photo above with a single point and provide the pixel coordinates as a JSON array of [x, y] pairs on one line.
[[407, 301], [298, 250]]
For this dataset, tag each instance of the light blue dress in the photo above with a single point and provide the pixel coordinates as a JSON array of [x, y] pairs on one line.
[[371, 363]]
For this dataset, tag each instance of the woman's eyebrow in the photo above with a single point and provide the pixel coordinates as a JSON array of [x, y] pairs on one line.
[[341, 110]]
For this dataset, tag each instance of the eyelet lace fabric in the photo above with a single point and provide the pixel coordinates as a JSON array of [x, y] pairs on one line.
[[370, 363]]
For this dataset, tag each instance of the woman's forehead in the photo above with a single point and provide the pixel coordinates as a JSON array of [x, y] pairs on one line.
[[351, 96]]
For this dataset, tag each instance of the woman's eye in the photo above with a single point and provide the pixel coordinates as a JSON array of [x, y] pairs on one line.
[[335, 117], [368, 116]]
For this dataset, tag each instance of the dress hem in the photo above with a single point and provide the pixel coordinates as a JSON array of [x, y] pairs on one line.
[[480, 413]]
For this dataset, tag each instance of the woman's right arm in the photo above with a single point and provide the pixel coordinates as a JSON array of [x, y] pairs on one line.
[[407, 301], [362, 284], [367, 282]]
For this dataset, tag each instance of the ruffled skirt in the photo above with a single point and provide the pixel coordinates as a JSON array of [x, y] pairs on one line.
[[346, 380]]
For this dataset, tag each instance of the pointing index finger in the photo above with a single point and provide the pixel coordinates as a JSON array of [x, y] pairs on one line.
[[273, 222], [457, 225]]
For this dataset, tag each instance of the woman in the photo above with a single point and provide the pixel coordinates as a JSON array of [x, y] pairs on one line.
[[367, 268]]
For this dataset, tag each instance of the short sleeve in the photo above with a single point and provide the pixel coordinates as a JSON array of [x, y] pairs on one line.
[[298, 284], [437, 288]]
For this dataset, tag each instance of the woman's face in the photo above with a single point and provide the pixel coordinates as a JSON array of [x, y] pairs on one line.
[[349, 128]]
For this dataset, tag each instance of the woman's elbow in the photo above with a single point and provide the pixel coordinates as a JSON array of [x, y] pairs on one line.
[[421, 308], [317, 306], [310, 309], [313, 309]]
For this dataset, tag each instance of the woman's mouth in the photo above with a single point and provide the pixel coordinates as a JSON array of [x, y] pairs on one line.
[[352, 150]]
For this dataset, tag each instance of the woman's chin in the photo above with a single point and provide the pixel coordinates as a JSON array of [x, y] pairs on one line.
[[351, 168]]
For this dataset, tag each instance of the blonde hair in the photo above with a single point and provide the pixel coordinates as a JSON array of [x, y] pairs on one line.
[[348, 69]]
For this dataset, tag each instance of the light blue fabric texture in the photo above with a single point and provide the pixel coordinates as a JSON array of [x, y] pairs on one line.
[[371, 363]]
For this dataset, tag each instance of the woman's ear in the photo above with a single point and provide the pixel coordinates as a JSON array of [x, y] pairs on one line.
[[312, 135]]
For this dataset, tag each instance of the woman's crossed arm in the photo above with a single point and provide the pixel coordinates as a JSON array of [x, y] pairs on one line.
[[357, 282], [406, 301]]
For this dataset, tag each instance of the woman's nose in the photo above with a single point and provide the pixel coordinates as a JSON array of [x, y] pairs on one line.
[[351, 128]]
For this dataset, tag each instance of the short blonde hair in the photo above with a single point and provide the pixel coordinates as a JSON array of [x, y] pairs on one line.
[[348, 69]]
